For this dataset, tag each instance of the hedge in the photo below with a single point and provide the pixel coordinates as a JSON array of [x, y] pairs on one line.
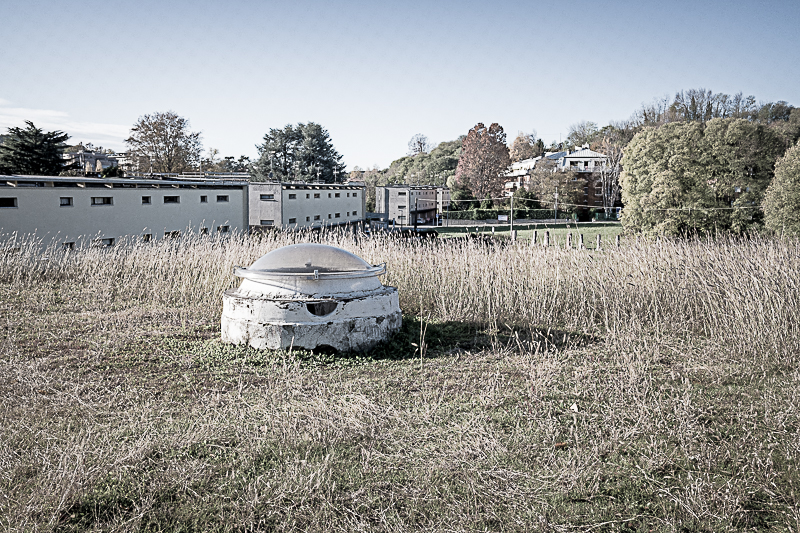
[[491, 214]]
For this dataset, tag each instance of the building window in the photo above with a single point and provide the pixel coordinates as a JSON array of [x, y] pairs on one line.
[[223, 229], [308, 196], [267, 222], [147, 237], [203, 231], [267, 196], [308, 219], [316, 217], [204, 199], [348, 213], [102, 200], [292, 221], [8, 202], [329, 215], [401, 193], [337, 195], [68, 246], [102, 243], [316, 195], [355, 213], [292, 197], [338, 215], [222, 198], [172, 199], [401, 207], [348, 195], [355, 195], [172, 234], [66, 201], [145, 200]]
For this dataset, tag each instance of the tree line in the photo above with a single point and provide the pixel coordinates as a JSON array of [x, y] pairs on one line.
[[696, 162], [164, 143]]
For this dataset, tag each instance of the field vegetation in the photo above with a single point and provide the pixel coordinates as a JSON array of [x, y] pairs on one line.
[[651, 387]]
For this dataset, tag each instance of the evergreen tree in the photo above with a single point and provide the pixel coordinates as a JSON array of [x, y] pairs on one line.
[[31, 151], [302, 152]]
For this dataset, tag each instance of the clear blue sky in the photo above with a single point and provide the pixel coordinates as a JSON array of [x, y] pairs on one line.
[[375, 73]]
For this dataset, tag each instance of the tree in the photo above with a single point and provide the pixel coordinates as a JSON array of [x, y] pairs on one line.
[[419, 144], [434, 168], [484, 161], [32, 151], [545, 180], [213, 163], [302, 152], [165, 140], [782, 199], [526, 146], [698, 177], [582, 133], [615, 137]]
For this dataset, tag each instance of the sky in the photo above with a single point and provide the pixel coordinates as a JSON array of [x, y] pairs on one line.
[[376, 73]]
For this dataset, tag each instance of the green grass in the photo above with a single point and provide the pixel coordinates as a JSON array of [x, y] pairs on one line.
[[558, 232]]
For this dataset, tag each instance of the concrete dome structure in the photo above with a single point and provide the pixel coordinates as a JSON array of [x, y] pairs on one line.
[[308, 296]]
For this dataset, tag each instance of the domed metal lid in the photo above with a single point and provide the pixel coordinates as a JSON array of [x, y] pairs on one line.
[[309, 261]]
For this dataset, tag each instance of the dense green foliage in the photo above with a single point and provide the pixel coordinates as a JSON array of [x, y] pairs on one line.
[[698, 176], [434, 168], [303, 152], [782, 199], [32, 151]]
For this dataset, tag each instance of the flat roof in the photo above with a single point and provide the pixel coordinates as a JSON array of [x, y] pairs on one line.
[[124, 181]]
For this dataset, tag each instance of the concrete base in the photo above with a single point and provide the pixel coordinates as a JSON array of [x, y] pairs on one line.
[[352, 324]]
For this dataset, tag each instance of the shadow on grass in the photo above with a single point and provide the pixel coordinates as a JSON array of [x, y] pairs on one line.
[[440, 339]]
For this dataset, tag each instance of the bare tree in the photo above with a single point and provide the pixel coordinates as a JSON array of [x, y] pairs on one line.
[[615, 138], [419, 144], [165, 140], [484, 161]]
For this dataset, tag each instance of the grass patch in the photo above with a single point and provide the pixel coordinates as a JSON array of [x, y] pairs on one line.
[[557, 391]]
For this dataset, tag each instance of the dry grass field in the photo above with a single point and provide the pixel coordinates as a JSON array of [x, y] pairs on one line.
[[654, 387]]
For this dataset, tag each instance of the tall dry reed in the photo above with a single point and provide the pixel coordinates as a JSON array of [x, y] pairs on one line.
[[740, 290]]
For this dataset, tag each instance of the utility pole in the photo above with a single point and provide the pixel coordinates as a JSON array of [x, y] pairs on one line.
[[555, 209], [416, 214], [512, 216]]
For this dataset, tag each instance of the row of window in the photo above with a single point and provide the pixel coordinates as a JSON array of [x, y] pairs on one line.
[[266, 197], [68, 201], [308, 219], [146, 237]]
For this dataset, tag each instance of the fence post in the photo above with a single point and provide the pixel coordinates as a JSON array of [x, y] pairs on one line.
[[533, 238], [580, 242], [513, 235], [597, 246], [569, 241], [616, 241], [546, 241]]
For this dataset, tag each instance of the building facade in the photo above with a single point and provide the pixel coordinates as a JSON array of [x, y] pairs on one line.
[[100, 212], [405, 204], [293, 206]]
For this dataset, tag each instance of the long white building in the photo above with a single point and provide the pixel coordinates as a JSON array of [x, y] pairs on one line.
[[298, 205], [80, 211]]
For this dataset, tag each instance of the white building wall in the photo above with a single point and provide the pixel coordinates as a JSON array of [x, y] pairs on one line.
[[41, 210], [306, 205]]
